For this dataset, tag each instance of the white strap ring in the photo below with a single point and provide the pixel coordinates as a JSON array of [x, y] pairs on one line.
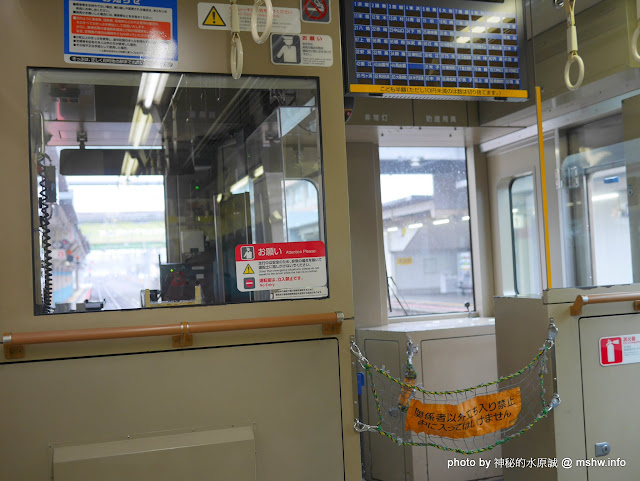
[[634, 44], [254, 21], [237, 56], [567, 69]]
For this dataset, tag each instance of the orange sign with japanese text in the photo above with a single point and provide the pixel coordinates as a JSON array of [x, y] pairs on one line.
[[474, 417]]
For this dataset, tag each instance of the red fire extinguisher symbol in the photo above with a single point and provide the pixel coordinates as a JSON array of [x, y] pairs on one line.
[[610, 350]]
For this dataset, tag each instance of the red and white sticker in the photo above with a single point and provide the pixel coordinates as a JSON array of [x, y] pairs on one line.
[[121, 33], [287, 265], [619, 350]]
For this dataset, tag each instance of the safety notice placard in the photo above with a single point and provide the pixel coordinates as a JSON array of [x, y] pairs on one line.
[[474, 417], [617, 350], [121, 32], [307, 50], [261, 267], [217, 16], [316, 11]]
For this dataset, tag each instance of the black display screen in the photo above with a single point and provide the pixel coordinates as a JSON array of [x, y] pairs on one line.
[[465, 49]]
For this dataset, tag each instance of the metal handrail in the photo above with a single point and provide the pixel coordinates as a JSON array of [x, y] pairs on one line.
[[330, 321], [576, 308]]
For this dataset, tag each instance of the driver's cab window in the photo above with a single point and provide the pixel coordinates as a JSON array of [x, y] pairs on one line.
[[144, 185]]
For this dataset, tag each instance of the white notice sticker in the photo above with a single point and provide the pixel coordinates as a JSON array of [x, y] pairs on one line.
[[617, 350], [140, 33], [303, 50], [285, 265], [217, 16], [302, 293]]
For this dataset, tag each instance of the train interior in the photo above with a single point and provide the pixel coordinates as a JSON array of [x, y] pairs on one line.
[[458, 227]]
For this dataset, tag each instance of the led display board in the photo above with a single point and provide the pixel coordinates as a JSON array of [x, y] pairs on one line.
[[454, 49]]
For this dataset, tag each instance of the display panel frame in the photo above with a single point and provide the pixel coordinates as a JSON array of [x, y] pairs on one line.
[[368, 74]]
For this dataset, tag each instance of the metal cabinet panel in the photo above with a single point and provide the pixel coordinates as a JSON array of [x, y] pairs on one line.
[[610, 396]]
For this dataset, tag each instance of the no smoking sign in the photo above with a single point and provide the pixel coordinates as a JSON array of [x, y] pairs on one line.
[[316, 11]]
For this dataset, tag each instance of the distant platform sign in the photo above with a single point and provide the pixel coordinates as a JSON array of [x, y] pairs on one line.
[[419, 49]]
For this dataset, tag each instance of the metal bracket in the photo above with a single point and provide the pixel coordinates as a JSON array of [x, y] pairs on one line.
[[183, 339], [602, 449], [331, 329], [11, 351]]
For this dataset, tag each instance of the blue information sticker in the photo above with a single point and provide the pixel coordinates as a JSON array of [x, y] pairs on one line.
[[140, 33]]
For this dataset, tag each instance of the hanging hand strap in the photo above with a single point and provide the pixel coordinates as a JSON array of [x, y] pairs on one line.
[[572, 47]]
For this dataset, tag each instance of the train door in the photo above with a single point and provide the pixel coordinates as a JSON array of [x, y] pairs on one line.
[[151, 193], [516, 206]]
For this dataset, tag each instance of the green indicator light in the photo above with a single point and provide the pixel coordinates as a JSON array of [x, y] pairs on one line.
[[197, 187]]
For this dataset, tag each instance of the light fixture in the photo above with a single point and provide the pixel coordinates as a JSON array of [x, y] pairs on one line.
[[219, 198], [129, 165], [258, 172], [465, 218], [392, 229], [241, 184], [441, 221], [493, 19], [598, 198], [149, 93], [151, 88], [140, 127], [415, 226], [478, 29], [463, 40]]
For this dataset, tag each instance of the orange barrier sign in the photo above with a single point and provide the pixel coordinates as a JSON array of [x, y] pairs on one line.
[[474, 417]]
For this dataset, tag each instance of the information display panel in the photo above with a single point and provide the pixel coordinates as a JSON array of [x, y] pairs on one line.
[[467, 50]]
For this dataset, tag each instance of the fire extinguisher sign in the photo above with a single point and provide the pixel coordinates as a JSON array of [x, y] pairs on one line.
[[618, 350]]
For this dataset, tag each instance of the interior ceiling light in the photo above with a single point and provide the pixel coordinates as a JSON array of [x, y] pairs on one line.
[[258, 172], [241, 184]]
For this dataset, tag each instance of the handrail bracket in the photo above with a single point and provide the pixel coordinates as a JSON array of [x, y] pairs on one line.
[[11, 351], [334, 328], [185, 338]]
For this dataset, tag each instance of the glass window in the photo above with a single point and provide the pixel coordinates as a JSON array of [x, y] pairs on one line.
[[599, 202], [425, 210], [526, 259], [144, 184]]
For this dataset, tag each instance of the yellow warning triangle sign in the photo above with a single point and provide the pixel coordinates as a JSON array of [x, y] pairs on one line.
[[248, 270], [214, 19]]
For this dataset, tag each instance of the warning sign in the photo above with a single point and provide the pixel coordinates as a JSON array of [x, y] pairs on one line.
[[475, 417], [619, 350], [140, 33], [315, 11], [214, 19], [288, 265], [217, 16], [302, 50]]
